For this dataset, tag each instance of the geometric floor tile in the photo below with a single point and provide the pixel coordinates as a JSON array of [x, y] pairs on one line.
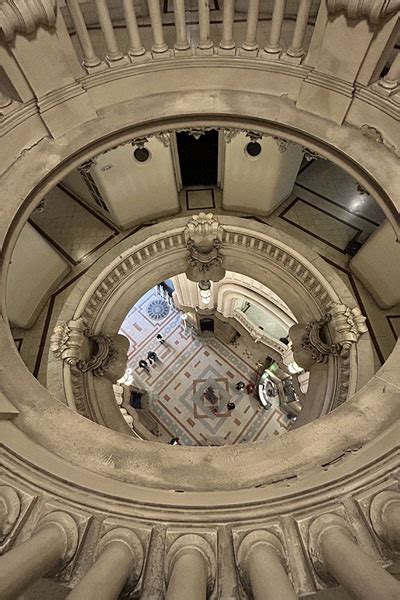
[[194, 379]]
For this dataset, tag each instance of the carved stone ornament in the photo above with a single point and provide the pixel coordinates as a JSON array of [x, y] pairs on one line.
[[203, 235], [349, 324], [99, 354], [25, 16], [315, 345], [372, 10]]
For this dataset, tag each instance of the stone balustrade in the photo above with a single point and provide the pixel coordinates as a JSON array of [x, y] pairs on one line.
[[268, 560]]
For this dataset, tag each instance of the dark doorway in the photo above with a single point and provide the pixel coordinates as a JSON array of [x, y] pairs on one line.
[[207, 324], [198, 158]]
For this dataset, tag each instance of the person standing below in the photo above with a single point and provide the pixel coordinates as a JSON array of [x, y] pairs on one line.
[[160, 338], [143, 364], [152, 357]]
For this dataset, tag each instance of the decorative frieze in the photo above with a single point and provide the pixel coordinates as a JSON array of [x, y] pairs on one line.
[[25, 16]]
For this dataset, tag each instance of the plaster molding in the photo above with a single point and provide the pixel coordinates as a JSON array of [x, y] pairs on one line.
[[375, 11], [25, 16]]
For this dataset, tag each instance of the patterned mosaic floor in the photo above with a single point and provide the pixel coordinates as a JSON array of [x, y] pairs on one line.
[[187, 366]]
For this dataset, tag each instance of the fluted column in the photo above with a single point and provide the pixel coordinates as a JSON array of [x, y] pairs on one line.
[[135, 43], [190, 568], [391, 80], [90, 61], [51, 546], [273, 48], [261, 560], [296, 49], [119, 560], [114, 55], [205, 42], [10, 506], [159, 46], [227, 42], [336, 555], [250, 42], [182, 42], [385, 517]]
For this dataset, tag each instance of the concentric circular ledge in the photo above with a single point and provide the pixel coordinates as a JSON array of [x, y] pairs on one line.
[[371, 413], [116, 281]]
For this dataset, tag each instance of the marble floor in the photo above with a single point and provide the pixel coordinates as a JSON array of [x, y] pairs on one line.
[[187, 365]]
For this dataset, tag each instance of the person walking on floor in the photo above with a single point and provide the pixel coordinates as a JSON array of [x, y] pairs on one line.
[[143, 364], [160, 338]]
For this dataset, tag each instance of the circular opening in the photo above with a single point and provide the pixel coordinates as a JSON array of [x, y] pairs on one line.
[[253, 149], [141, 154]]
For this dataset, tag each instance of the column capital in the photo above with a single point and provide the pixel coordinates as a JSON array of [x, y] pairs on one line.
[[381, 505], [374, 11], [12, 508], [319, 528], [68, 528], [185, 544]]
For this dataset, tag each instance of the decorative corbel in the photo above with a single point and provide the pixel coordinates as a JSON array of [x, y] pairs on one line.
[[25, 16], [98, 354], [203, 235], [349, 324], [313, 342]]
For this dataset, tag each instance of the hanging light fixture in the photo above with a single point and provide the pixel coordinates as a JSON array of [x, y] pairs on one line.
[[205, 291]]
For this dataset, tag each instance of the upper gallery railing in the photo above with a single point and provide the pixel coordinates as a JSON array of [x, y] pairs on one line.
[[227, 43], [125, 37]]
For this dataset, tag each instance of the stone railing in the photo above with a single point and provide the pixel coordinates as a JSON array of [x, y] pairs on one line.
[[227, 45], [100, 556], [258, 335]]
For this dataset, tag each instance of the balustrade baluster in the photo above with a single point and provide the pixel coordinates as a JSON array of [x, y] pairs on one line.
[[114, 55], [119, 559], [10, 504], [385, 517], [51, 546], [296, 49], [182, 42], [159, 46], [227, 42], [257, 550], [391, 80], [90, 61], [135, 44], [334, 550], [189, 564], [205, 43], [273, 48], [250, 42]]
